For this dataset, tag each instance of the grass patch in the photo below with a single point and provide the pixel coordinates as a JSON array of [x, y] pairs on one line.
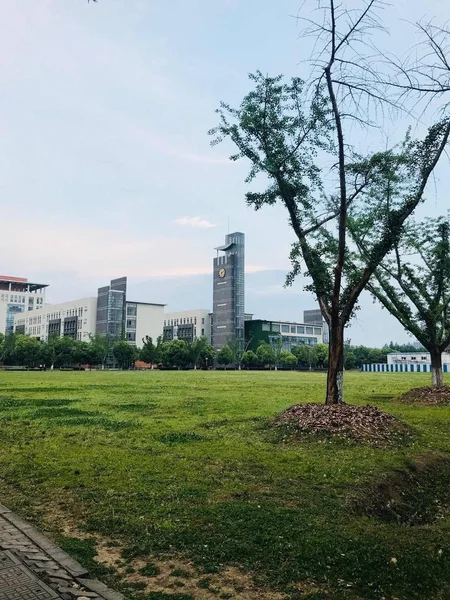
[[180, 438], [126, 463], [150, 570], [84, 552]]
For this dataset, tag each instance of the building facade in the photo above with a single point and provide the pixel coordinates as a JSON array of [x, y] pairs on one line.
[[229, 292], [315, 317], [108, 313], [143, 319], [187, 325], [259, 331], [18, 295], [414, 358], [111, 308], [75, 319]]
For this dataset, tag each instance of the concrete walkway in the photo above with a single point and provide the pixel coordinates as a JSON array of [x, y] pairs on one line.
[[34, 568]]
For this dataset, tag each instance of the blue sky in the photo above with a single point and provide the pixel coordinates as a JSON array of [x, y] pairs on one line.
[[105, 165]]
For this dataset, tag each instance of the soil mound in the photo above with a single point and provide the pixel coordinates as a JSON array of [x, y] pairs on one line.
[[428, 395], [418, 494], [359, 423]]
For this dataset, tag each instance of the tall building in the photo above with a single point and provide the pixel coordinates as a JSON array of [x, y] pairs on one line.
[[315, 317], [111, 302], [229, 292], [17, 295]]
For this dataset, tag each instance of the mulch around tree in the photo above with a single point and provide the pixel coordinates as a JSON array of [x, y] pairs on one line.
[[366, 424], [428, 395]]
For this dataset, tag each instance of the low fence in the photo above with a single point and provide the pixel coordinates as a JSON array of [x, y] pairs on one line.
[[402, 368]]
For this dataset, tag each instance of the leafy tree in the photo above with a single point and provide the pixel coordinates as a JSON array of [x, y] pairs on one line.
[[277, 347], [124, 353], [58, 351], [225, 356], [287, 359], [27, 351], [148, 351], [82, 353], [349, 360], [249, 359], [201, 352], [281, 129], [176, 354], [7, 344], [102, 347], [321, 351], [265, 355], [413, 284]]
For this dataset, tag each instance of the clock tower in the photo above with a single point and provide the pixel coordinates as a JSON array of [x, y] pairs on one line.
[[229, 292]]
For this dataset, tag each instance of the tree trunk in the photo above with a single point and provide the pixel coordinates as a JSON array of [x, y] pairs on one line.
[[335, 392], [437, 377]]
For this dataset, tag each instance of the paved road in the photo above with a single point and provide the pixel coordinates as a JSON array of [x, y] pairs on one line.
[[34, 568]]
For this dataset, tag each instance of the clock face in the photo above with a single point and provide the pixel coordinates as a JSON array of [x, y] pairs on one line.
[[222, 273]]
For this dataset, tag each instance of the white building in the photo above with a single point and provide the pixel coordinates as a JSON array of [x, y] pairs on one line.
[[187, 325], [17, 295], [76, 319], [414, 358], [142, 319]]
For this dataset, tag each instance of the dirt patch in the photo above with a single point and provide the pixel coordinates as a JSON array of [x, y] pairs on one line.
[[358, 423], [174, 577], [418, 494], [428, 395]]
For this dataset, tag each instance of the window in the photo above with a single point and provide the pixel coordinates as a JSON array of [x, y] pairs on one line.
[[317, 331], [131, 310], [131, 323], [265, 327], [424, 357], [131, 336], [203, 332], [276, 327], [203, 320], [309, 329], [413, 358], [285, 329], [195, 320], [293, 329]]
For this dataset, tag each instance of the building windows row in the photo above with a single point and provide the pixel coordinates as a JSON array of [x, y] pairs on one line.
[[182, 321]]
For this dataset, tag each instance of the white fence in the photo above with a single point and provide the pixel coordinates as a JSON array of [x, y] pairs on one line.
[[402, 368]]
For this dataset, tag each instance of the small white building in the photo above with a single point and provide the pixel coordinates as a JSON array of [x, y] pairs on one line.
[[414, 358], [187, 325]]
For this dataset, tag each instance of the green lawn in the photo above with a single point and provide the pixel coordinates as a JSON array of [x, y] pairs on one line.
[[182, 464]]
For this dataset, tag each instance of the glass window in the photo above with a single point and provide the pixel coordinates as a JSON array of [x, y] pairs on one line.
[[203, 332], [265, 327], [309, 329], [300, 329], [293, 329], [131, 323], [317, 330], [276, 327], [203, 320], [285, 328]]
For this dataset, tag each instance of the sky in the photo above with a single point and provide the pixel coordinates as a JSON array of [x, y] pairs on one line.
[[106, 167]]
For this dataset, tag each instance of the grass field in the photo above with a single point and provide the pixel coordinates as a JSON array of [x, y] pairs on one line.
[[180, 472]]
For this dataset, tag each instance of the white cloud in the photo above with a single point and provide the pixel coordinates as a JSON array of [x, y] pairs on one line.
[[196, 222]]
